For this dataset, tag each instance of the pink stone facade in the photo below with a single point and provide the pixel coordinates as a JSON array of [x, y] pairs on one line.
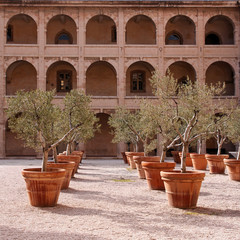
[[109, 49]]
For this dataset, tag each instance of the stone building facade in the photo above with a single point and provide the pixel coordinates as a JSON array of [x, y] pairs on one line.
[[109, 49]]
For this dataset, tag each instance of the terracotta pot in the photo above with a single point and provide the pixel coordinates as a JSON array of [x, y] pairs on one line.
[[176, 156], [152, 172], [233, 168], [130, 158], [215, 163], [68, 166], [182, 188], [70, 158], [188, 159], [199, 161], [43, 188], [138, 161], [124, 157], [79, 153]]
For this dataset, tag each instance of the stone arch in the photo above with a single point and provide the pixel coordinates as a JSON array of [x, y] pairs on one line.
[[101, 145], [140, 29], [61, 76], [61, 24], [221, 27], [137, 79], [15, 146], [184, 27], [221, 72], [20, 75], [21, 29], [101, 79], [101, 29], [182, 70]]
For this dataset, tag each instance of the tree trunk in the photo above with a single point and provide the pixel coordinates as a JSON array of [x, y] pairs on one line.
[[55, 154], [199, 146], [163, 155], [238, 154], [183, 158], [44, 160], [68, 150], [219, 148]]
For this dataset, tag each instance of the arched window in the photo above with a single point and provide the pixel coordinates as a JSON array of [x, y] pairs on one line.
[[63, 38], [174, 39], [114, 34], [212, 39], [64, 81], [138, 81]]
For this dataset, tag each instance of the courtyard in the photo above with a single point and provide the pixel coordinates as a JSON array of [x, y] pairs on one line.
[[106, 200]]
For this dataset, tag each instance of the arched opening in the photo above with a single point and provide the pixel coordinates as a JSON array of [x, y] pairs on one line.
[[63, 37], [182, 71], [219, 27], [174, 38], [20, 75], [101, 79], [21, 29], [221, 72], [140, 29], [101, 145], [61, 29], [212, 39], [61, 76], [101, 29], [15, 146], [137, 79], [180, 30]]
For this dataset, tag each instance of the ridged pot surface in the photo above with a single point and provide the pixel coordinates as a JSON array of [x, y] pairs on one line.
[[78, 153], [124, 157], [43, 188], [152, 172], [68, 166], [215, 163], [130, 158], [233, 168], [138, 161], [176, 156], [182, 188], [70, 158], [199, 161]]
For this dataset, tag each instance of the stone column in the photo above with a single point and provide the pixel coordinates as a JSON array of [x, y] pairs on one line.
[[41, 81], [2, 85], [121, 147], [121, 76]]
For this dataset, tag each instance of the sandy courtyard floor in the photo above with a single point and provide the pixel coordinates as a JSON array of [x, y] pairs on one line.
[[99, 205]]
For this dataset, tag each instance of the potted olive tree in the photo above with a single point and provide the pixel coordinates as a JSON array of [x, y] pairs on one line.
[[191, 103], [37, 121], [77, 111]]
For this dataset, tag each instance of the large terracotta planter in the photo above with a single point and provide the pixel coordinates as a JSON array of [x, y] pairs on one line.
[[130, 158], [138, 161], [176, 156], [199, 161], [124, 157], [78, 153], [68, 166], [182, 188], [70, 158], [233, 168], [43, 188], [188, 159], [152, 172], [215, 163]]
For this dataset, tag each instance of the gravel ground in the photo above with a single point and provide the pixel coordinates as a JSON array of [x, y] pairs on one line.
[[100, 205]]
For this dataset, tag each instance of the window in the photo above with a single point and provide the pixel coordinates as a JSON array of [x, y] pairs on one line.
[[138, 81], [9, 33], [63, 38], [114, 34], [174, 39], [64, 81]]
